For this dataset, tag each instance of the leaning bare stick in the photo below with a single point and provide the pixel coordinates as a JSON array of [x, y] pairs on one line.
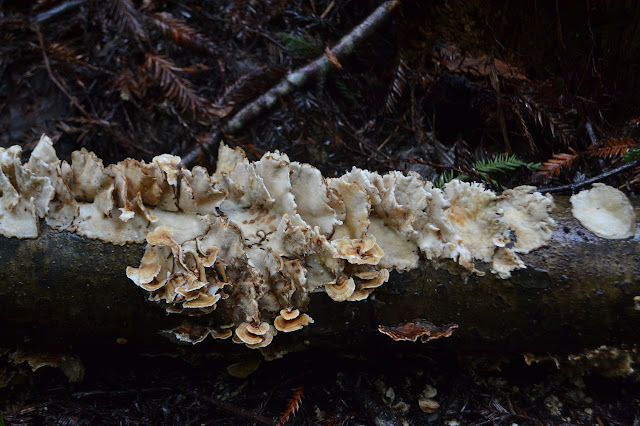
[[270, 254], [301, 76]]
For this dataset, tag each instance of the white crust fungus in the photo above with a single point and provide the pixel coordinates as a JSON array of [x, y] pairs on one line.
[[605, 211], [254, 239]]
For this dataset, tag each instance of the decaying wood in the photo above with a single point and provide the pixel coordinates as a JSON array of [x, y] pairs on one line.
[[65, 291]]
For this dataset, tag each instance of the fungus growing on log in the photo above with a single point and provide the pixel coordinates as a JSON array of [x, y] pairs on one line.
[[341, 290], [291, 320], [255, 336], [417, 329], [254, 240], [605, 211]]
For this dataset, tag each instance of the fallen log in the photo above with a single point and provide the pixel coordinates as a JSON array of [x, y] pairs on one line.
[[273, 256], [62, 290]]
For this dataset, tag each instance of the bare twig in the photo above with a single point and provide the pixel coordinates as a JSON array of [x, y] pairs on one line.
[[121, 393], [300, 77], [57, 10], [591, 133], [575, 186], [63, 89]]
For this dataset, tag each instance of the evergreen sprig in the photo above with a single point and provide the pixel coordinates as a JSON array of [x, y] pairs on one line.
[[632, 155], [485, 167], [502, 164], [299, 45], [446, 177]]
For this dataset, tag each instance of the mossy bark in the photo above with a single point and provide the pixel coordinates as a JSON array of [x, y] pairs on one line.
[[63, 291]]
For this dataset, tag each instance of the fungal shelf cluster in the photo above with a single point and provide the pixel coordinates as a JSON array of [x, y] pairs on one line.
[[255, 239]]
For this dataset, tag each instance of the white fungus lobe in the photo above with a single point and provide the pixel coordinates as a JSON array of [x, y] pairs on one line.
[[605, 211]]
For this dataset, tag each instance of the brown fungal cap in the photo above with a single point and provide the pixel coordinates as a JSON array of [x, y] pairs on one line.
[[372, 279], [360, 294], [291, 320], [203, 300], [418, 329], [358, 251], [341, 290], [150, 266], [254, 336], [188, 332], [289, 314], [258, 329], [220, 333]]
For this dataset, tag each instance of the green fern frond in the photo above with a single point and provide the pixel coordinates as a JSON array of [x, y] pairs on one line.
[[446, 177], [303, 46], [632, 155], [502, 164]]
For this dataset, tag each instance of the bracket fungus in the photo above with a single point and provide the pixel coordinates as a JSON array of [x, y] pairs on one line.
[[255, 240], [417, 329], [291, 320], [254, 335]]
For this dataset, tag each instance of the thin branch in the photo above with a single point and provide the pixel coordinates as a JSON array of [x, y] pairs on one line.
[[63, 89], [233, 409], [121, 393], [301, 76], [575, 186], [57, 10]]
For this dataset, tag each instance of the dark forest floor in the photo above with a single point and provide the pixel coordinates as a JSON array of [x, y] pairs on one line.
[[334, 390]]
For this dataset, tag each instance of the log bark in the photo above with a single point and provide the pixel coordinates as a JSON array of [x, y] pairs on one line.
[[65, 291]]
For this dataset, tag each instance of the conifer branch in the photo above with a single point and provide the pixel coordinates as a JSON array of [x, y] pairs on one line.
[[126, 16], [553, 166], [293, 405], [612, 147], [181, 33]]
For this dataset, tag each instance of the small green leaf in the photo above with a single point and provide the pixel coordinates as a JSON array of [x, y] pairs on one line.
[[632, 155]]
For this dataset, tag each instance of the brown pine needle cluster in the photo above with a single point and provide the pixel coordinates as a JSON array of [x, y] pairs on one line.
[[174, 86], [127, 85], [555, 164], [292, 406], [397, 86], [181, 33], [612, 147], [126, 16], [245, 87]]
